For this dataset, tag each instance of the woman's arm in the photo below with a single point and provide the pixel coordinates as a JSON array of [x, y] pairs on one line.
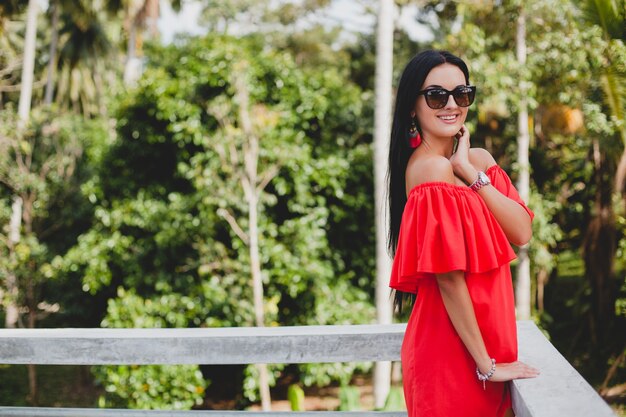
[[456, 299], [458, 304], [512, 217]]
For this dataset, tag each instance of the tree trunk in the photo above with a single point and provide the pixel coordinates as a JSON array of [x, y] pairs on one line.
[[257, 286], [542, 280], [29, 62], [12, 312], [54, 40], [620, 175], [131, 68], [32, 370], [384, 70], [249, 182], [599, 249], [30, 298], [522, 288], [152, 17]]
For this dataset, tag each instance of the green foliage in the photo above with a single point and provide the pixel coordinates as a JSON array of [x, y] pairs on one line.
[[43, 164], [546, 233], [395, 400], [169, 190], [609, 14], [295, 395], [175, 387], [349, 398], [250, 387]]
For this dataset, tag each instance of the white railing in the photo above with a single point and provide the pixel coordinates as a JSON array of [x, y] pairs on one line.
[[558, 391]]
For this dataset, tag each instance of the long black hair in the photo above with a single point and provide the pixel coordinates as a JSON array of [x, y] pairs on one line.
[[400, 151]]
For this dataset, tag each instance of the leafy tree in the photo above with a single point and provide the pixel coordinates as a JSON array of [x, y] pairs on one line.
[[258, 16], [171, 214], [161, 387], [79, 68], [41, 164]]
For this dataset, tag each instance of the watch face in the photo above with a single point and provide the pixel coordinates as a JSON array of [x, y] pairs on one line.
[[481, 181]]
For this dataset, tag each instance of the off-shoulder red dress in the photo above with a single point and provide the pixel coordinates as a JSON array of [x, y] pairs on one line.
[[444, 228]]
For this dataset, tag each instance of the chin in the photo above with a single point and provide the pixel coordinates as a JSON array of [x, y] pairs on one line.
[[451, 130], [446, 131]]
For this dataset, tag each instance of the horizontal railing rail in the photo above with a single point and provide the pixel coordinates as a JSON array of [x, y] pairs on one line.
[[558, 391], [102, 412], [207, 346]]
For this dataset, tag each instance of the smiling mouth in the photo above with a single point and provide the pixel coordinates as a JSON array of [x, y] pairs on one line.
[[449, 118]]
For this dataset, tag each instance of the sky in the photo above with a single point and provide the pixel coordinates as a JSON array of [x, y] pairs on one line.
[[350, 13]]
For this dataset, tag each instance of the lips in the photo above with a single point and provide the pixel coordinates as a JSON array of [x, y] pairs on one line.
[[448, 118]]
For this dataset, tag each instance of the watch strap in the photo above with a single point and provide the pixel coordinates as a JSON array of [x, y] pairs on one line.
[[480, 182]]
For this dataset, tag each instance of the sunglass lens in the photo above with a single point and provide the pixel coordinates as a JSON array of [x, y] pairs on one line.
[[462, 99], [463, 96], [436, 98]]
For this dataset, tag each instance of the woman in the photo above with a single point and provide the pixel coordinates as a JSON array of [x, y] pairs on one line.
[[453, 213]]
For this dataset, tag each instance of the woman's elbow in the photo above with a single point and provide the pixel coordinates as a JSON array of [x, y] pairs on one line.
[[450, 281], [522, 236]]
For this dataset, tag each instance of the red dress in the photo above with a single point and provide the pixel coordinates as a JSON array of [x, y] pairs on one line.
[[444, 228]]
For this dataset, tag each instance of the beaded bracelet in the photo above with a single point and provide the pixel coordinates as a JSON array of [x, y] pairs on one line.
[[483, 377]]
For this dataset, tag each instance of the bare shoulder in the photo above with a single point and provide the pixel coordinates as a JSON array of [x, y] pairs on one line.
[[429, 169], [481, 158]]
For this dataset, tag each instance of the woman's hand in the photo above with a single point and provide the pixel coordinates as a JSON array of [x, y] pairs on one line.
[[513, 370], [460, 159]]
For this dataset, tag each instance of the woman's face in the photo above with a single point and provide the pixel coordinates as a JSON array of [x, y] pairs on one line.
[[447, 121]]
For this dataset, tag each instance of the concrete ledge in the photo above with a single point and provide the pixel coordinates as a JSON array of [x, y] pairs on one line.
[[88, 412], [560, 390], [240, 345]]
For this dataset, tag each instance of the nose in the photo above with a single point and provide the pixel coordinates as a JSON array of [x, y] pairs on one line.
[[451, 103]]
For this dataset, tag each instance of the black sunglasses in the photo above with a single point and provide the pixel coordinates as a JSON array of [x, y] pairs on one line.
[[437, 97]]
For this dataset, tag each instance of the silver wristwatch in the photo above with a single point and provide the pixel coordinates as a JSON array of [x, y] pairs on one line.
[[480, 182]]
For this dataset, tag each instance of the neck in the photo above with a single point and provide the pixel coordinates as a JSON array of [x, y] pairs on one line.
[[439, 145]]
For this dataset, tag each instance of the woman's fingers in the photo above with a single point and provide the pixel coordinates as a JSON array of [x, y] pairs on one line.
[[514, 370], [526, 371], [460, 159], [463, 142], [463, 136]]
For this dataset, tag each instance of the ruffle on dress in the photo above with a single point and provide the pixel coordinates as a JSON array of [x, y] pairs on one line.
[[447, 227]]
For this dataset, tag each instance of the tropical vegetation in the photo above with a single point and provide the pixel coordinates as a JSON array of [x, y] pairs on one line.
[[228, 179]]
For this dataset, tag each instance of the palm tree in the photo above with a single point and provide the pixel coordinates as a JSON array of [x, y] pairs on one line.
[[137, 15], [28, 67], [384, 70], [11, 46], [9, 8], [82, 56], [12, 316], [522, 288], [53, 9], [17, 214], [610, 15], [599, 244]]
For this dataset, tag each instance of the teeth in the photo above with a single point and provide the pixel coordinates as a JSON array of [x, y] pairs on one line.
[[447, 117]]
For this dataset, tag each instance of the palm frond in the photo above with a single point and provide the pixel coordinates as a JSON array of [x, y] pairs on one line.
[[614, 87], [608, 14]]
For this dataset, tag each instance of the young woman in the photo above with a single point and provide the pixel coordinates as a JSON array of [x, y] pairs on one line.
[[453, 212]]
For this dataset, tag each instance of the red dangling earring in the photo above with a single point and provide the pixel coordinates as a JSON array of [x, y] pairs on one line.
[[415, 139]]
